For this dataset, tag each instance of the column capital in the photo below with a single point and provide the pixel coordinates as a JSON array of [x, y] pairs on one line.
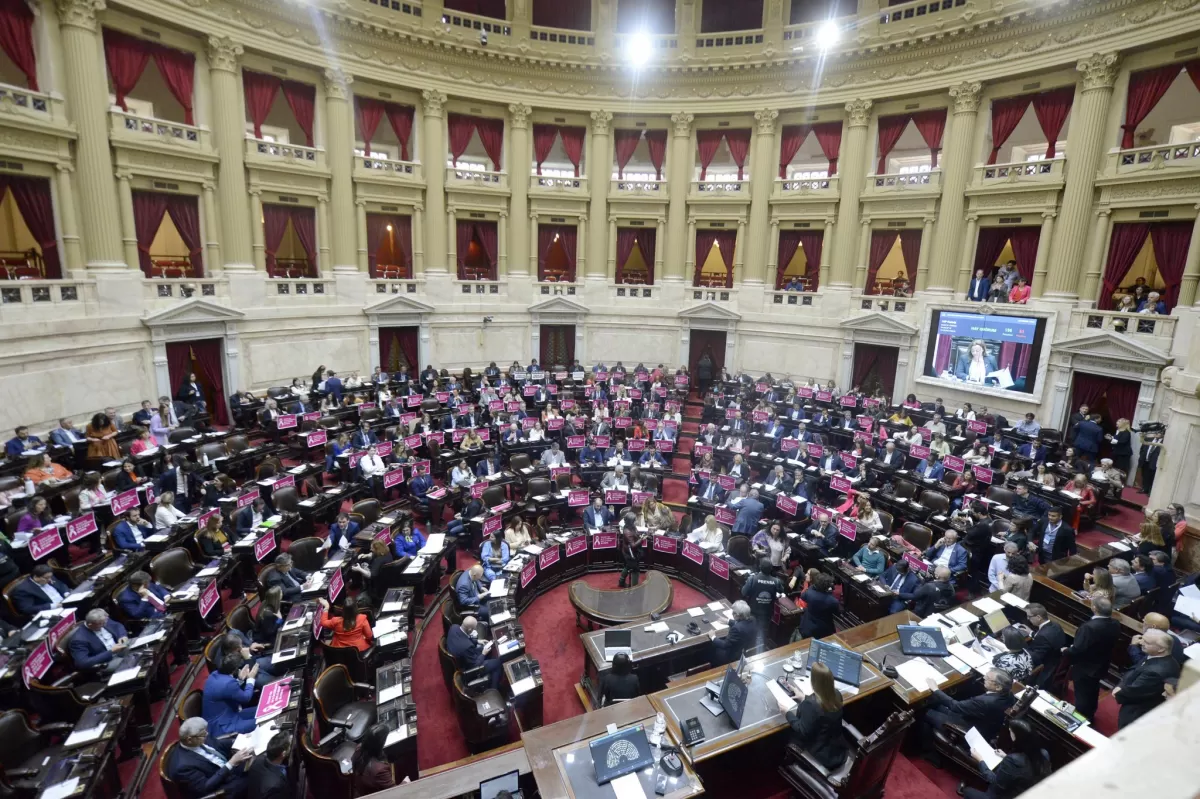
[[683, 124], [928, 220], [830, 221], [208, 186], [361, 203], [1103, 212], [533, 216], [124, 174], [433, 100], [860, 113], [1052, 214], [865, 221], [79, 13], [766, 121], [972, 218], [254, 191], [322, 199], [66, 168], [337, 84], [223, 53], [419, 207], [502, 214], [1099, 71], [966, 96], [600, 120], [520, 115]]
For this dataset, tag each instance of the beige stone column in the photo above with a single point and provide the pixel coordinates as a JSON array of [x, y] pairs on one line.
[[689, 255], [611, 267], [923, 258], [433, 160], [853, 171], [1191, 269], [418, 237], [258, 246], [72, 256], [520, 158], [339, 154], [87, 103], [360, 223], [324, 237], [826, 250], [1096, 252], [502, 245], [599, 170], [772, 254], [966, 256], [582, 229], [660, 238], [129, 242], [864, 253], [762, 178], [1085, 144], [533, 237], [212, 244], [1045, 237], [450, 240], [679, 182], [739, 252], [229, 137], [956, 164]]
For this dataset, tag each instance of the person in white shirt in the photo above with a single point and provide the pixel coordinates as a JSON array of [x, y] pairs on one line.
[[708, 533], [553, 457], [937, 426], [461, 475], [999, 565], [371, 464], [93, 493], [615, 479], [536, 433], [167, 514], [912, 438]]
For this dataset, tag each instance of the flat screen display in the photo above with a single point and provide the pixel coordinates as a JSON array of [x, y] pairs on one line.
[[972, 351]]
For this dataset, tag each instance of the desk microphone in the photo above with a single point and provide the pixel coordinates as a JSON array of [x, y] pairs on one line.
[[888, 671]]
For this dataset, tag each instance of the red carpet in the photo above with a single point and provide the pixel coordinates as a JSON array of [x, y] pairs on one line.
[[685, 444], [1124, 519], [690, 427]]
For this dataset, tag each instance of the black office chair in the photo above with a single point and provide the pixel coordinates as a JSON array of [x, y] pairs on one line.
[[336, 700]]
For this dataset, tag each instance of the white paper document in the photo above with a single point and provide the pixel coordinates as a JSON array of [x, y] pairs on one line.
[[498, 589], [124, 675], [628, 787], [1190, 591], [81, 737], [1014, 600], [388, 694], [387, 625], [779, 694], [918, 673], [720, 625], [957, 665], [1187, 606], [714, 606], [396, 736], [149, 639], [981, 747], [971, 657], [67, 787], [435, 543], [861, 578], [501, 617], [392, 607], [695, 611], [987, 605], [962, 616], [521, 686]]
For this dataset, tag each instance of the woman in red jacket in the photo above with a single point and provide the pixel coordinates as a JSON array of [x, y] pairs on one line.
[[351, 629]]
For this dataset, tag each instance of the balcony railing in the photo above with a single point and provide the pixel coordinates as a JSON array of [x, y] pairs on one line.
[[285, 287], [480, 288], [797, 299], [729, 39], [154, 289], [1132, 324], [882, 302], [905, 181], [921, 8], [476, 22], [1050, 169], [402, 6], [662, 43], [645, 188], [711, 187], [475, 177], [711, 293], [799, 187], [48, 294], [555, 183], [558, 288], [386, 285], [284, 152], [630, 290], [1162, 156], [375, 165], [28, 101], [562, 36], [175, 133]]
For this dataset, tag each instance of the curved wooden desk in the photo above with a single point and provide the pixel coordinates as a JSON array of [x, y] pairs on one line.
[[609, 606]]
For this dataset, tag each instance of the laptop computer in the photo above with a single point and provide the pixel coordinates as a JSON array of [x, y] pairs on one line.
[[733, 696], [919, 641], [617, 642], [621, 753], [845, 664], [488, 789], [996, 621]]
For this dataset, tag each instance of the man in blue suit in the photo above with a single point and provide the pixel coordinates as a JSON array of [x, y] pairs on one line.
[[980, 288], [364, 437], [420, 485], [202, 765], [774, 429], [931, 468], [831, 461], [143, 598], [131, 532], [94, 645], [900, 580], [333, 387], [341, 533], [709, 490], [17, 446], [749, 511], [1033, 450], [590, 454], [1088, 436], [652, 457], [249, 517], [946, 551], [41, 590], [65, 435], [470, 593], [462, 642], [597, 515], [227, 694], [742, 635], [492, 464]]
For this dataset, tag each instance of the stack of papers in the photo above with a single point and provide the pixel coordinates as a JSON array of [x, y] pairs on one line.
[[435, 543], [978, 745], [695, 611], [987, 605], [124, 675], [395, 606], [657, 627], [387, 625], [1014, 600], [498, 588], [149, 639], [917, 673], [258, 739], [962, 616], [501, 617], [971, 657], [521, 686], [81, 737]]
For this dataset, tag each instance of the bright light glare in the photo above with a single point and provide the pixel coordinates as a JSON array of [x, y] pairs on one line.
[[637, 49], [828, 35], [389, 227]]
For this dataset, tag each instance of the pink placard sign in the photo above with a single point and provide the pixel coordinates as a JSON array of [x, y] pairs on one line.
[[604, 541], [529, 391], [478, 488], [556, 423], [664, 445], [438, 437], [700, 450], [81, 527], [502, 507], [383, 449], [918, 451], [316, 438], [824, 396], [264, 546], [512, 406], [681, 380], [60, 629], [576, 442], [336, 584], [37, 664], [555, 471], [548, 558], [848, 402], [528, 573], [247, 498], [311, 417], [983, 474], [44, 543], [805, 392], [442, 396], [840, 484], [759, 416], [761, 387], [209, 598], [865, 422], [568, 404], [275, 697], [926, 433], [954, 463], [577, 498], [576, 545], [727, 481], [492, 524], [528, 422], [786, 505], [286, 422], [725, 515], [976, 426], [916, 563], [615, 497], [636, 444], [664, 543], [719, 567], [789, 444], [731, 413], [641, 496], [124, 501], [693, 552], [457, 436], [204, 517], [602, 442], [849, 460], [847, 528], [816, 450], [621, 422], [287, 481]]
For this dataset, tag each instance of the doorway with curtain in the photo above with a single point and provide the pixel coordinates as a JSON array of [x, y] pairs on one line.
[[557, 347], [702, 342], [397, 348], [205, 359], [1111, 397], [875, 369]]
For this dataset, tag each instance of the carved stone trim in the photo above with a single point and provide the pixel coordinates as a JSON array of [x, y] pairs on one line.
[[766, 121], [859, 112], [683, 124], [966, 96], [337, 84], [223, 53], [80, 13], [520, 115], [433, 102], [1099, 71], [600, 121]]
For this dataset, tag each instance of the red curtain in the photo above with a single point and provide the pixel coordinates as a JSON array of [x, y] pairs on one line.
[[570, 14], [302, 99], [185, 214], [705, 238], [32, 196], [931, 125], [910, 248], [1171, 240], [488, 238], [1006, 115], [179, 362], [206, 362], [377, 231], [275, 221], [402, 228], [626, 240], [491, 134], [829, 136], [1193, 71], [942, 354], [656, 141], [1146, 88], [304, 222], [890, 131], [546, 240], [178, 70], [398, 345], [401, 118], [707, 142], [569, 240], [1024, 241], [1088, 389], [126, 57], [1126, 242], [16, 38], [460, 127], [401, 236], [572, 140], [738, 142], [625, 141], [726, 242], [464, 234], [791, 139], [260, 93], [789, 242], [881, 361], [988, 247], [369, 112], [148, 210], [543, 143], [812, 241], [1052, 108], [882, 242]]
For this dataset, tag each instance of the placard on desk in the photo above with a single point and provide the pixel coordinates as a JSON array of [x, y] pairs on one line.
[[840, 484], [724, 515], [274, 699], [954, 463], [209, 598], [285, 422], [55, 634], [45, 542], [983, 474], [336, 584], [316, 438], [847, 528], [786, 504], [604, 541], [636, 444], [247, 498], [37, 664], [577, 545], [264, 546], [393, 478], [81, 527], [615, 497], [548, 557], [124, 501], [528, 573], [493, 524], [666, 544], [917, 451]]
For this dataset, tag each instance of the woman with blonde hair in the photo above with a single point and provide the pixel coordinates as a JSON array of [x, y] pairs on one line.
[[1150, 538], [816, 722], [167, 514], [1100, 583], [1122, 445]]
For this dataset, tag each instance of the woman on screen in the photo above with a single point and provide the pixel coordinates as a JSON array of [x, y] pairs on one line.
[[976, 365]]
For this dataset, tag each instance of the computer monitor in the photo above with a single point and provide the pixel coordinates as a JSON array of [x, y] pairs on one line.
[[733, 696], [741, 663], [505, 782], [919, 641], [617, 642], [845, 664], [996, 621], [621, 753]]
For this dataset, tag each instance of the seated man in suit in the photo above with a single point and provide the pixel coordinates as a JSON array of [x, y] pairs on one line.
[[250, 517], [268, 772], [1026, 504], [130, 533], [984, 712], [615, 479], [931, 468], [98, 644], [462, 642], [553, 457], [471, 594], [741, 636], [946, 551], [709, 490], [824, 534], [289, 579], [226, 704], [1033, 451], [201, 765], [341, 533], [900, 580], [41, 590], [420, 485], [490, 465], [652, 458], [1141, 688], [891, 457], [597, 515], [65, 435], [936, 594], [141, 417], [143, 598]]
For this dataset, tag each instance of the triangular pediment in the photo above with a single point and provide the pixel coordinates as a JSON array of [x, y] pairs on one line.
[[877, 322], [1104, 344], [709, 310], [398, 303], [191, 312], [558, 305]]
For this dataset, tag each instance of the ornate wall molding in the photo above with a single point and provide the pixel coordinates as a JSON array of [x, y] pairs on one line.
[[966, 96], [519, 116], [80, 13], [223, 53], [858, 113], [600, 122], [766, 120], [1099, 71]]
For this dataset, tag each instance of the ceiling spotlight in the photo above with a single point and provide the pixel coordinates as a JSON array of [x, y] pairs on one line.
[[637, 49], [828, 35]]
